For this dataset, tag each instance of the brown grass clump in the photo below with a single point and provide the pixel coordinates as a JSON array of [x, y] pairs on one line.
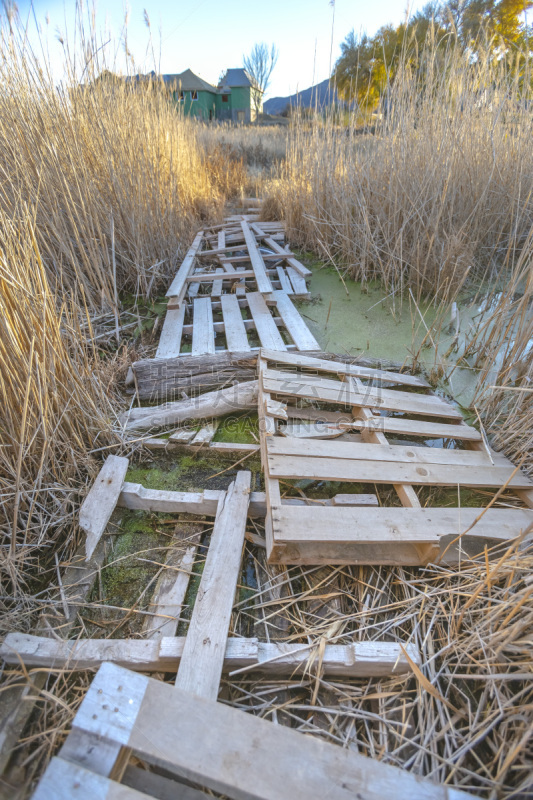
[[103, 187], [442, 189]]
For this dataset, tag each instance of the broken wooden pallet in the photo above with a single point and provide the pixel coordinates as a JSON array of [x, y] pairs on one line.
[[220, 749], [208, 324], [308, 408]]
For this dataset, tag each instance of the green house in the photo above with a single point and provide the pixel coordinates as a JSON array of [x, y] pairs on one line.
[[194, 96], [237, 98]]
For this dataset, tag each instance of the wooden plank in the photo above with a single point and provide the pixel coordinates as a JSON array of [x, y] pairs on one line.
[[261, 230], [170, 339], [210, 277], [368, 524], [216, 289], [137, 497], [169, 594], [298, 283], [157, 786], [289, 446], [298, 330], [236, 337], [241, 397], [286, 285], [338, 368], [342, 394], [266, 327], [100, 503], [206, 433], [177, 287], [408, 427], [183, 436], [203, 334], [359, 659], [64, 781], [238, 756], [203, 655], [332, 469], [263, 281]]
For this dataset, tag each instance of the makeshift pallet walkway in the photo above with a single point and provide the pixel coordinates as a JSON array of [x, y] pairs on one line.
[[318, 422], [162, 650], [234, 291], [180, 733]]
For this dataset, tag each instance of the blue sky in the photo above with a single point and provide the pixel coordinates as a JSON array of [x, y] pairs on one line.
[[209, 35]]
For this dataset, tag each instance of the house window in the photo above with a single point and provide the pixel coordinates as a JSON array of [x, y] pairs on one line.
[[181, 97], [194, 95], [225, 98]]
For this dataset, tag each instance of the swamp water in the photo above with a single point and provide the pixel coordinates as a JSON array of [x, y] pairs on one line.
[[346, 317]]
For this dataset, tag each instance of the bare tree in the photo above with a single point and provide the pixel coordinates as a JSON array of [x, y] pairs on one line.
[[259, 65]]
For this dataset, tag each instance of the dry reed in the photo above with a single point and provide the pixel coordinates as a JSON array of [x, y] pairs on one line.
[[441, 188]]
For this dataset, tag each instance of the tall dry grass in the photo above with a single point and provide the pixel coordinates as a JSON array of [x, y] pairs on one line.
[[441, 188], [102, 188]]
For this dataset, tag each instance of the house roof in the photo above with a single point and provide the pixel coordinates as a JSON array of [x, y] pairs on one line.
[[187, 81], [235, 78]]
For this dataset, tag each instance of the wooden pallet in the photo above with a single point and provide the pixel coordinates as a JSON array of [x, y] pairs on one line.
[[238, 257], [230, 281], [181, 736], [324, 421], [227, 322]]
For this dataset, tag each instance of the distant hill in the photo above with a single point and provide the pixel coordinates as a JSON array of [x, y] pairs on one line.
[[321, 95]]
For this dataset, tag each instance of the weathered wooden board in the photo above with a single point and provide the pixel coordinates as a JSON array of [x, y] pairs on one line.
[[298, 330], [263, 281], [203, 655], [264, 324], [170, 339], [407, 427], [240, 397], [64, 780], [176, 290], [99, 504], [389, 536], [236, 337], [339, 368], [203, 334], [365, 471], [359, 659], [343, 394], [288, 446], [238, 755]]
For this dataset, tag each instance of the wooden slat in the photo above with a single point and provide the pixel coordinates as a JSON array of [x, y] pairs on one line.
[[242, 756], [169, 594], [408, 427], [360, 659], [335, 367], [266, 327], [170, 339], [286, 285], [263, 281], [355, 451], [298, 283], [369, 524], [203, 334], [298, 330], [177, 287], [333, 469], [203, 655], [261, 230], [216, 289], [342, 394], [65, 781], [101, 500], [135, 496], [236, 338], [206, 433]]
